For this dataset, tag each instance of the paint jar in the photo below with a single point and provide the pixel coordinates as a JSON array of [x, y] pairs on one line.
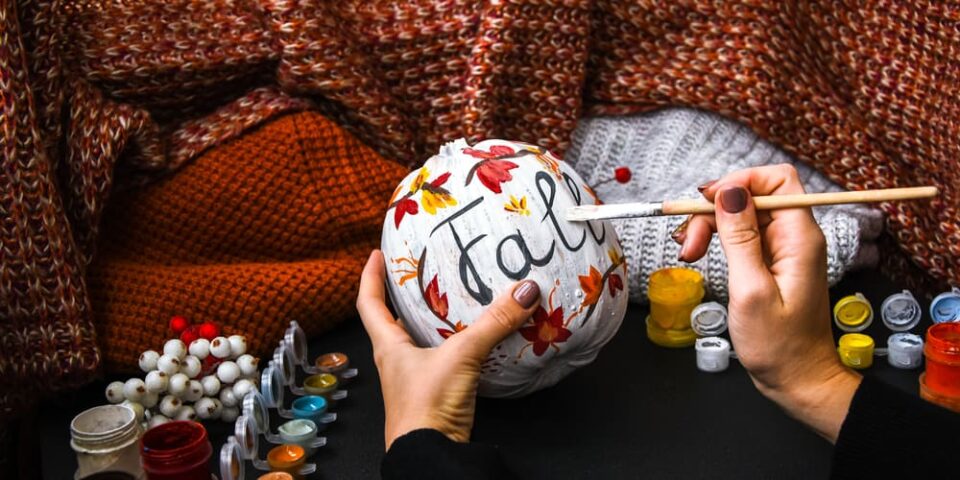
[[946, 307], [856, 350], [940, 383], [177, 450], [905, 350], [325, 385], [853, 313], [288, 459], [275, 476], [338, 364], [302, 432], [313, 408], [713, 354], [105, 439], [900, 312], [673, 294], [709, 319]]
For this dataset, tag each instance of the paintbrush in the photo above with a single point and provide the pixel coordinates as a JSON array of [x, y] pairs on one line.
[[583, 213]]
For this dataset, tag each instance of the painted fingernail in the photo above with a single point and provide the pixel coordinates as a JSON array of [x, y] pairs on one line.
[[679, 234], [733, 199], [705, 186], [527, 293]]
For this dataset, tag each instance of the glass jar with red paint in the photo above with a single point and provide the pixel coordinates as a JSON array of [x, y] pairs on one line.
[[940, 383], [176, 451]]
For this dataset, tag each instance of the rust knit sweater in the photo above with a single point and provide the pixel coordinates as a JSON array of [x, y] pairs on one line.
[[98, 95]]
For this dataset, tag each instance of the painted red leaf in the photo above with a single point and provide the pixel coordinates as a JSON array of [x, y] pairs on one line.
[[496, 151], [494, 172], [404, 207], [435, 300], [439, 181], [615, 283], [547, 330]]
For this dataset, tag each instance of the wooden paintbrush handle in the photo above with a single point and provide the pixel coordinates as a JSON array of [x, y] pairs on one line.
[[772, 202]]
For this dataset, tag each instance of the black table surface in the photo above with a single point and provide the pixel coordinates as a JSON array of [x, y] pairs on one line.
[[638, 411]]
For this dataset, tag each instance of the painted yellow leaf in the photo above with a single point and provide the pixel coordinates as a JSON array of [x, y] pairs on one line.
[[517, 206]]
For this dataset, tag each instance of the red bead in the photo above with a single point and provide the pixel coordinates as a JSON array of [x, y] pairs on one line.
[[209, 330], [189, 335], [622, 174], [209, 365], [178, 324]]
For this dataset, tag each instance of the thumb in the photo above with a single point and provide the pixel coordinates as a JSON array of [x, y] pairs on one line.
[[740, 237], [502, 317]]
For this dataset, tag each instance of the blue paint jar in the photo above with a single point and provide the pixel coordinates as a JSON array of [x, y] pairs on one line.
[[313, 408], [946, 307]]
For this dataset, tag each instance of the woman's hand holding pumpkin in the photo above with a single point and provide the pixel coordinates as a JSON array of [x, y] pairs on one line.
[[443, 397]]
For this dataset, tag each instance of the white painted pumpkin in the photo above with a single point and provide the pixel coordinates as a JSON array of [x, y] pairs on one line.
[[470, 223]]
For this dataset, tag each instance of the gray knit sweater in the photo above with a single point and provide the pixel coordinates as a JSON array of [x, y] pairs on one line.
[[670, 152]]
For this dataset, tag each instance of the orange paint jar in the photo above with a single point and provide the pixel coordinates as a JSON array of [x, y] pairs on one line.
[[940, 383], [287, 458], [673, 294]]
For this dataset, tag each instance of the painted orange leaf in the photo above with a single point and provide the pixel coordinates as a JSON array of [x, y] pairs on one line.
[[446, 333], [547, 330], [517, 206], [409, 271], [435, 300], [596, 199], [592, 286]]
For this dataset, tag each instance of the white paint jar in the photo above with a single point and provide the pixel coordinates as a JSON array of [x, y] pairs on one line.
[[106, 439]]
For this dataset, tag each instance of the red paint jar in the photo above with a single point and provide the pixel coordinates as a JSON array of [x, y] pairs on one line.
[[940, 383], [176, 451]]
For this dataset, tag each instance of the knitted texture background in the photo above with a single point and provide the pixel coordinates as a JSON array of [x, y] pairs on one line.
[[98, 94], [670, 153]]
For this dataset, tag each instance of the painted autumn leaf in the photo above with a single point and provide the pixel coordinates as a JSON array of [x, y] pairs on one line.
[[403, 207], [592, 286], [492, 171], [517, 206], [615, 282], [420, 179], [436, 301], [547, 330], [446, 333]]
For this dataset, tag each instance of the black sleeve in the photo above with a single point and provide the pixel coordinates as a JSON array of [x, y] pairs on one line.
[[891, 434], [428, 454]]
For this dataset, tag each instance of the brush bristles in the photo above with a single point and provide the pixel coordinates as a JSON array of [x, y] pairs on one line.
[[584, 213]]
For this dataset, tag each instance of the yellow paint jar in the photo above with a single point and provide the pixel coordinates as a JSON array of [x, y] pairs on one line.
[[853, 313], [673, 294], [856, 350]]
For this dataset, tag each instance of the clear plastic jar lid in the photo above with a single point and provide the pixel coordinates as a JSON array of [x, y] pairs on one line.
[[900, 312], [709, 319]]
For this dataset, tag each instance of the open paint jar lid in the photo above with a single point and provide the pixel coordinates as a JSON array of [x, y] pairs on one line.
[[709, 319], [900, 312], [713, 354], [853, 313], [271, 388], [285, 361], [946, 307], [240, 447]]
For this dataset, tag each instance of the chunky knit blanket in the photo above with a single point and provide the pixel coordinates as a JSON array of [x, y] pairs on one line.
[[101, 96]]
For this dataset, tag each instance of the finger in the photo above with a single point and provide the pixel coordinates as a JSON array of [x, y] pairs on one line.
[[777, 179], [699, 233], [739, 234], [502, 317], [377, 320]]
